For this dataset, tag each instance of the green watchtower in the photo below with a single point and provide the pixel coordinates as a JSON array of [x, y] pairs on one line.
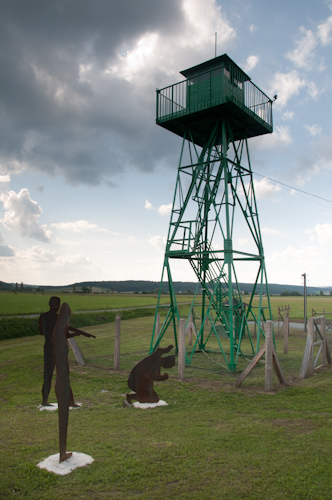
[[214, 227]]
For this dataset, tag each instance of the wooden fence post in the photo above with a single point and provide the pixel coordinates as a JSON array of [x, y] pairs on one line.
[[307, 367], [117, 335], [268, 355], [271, 361], [310, 370], [322, 333], [190, 333], [182, 349], [286, 331], [77, 351]]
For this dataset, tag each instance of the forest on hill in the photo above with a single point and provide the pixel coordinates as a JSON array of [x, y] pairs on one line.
[[137, 286]]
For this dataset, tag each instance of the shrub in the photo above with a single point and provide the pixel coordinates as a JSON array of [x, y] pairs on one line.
[[15, 327]]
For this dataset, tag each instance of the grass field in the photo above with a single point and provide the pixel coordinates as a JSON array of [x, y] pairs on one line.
[[211, 442], [25, 303]]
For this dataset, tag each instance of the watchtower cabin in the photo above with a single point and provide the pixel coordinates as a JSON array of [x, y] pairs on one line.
[[215, 89]]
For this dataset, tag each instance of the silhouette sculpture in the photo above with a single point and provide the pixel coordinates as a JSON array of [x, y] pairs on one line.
[[63, 390], [47, 322], [147, 371]]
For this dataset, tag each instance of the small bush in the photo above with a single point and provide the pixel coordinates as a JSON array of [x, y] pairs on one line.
[[16, 327], [11, 328]]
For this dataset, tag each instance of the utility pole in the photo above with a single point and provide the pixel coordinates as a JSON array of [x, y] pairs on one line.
[[305, 300]]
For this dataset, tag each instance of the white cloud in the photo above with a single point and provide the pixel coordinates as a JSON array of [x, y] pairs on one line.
[[288, 115], [319, 160], [322, 233], [252, 28], [286, 85], [312, 90], [243, 242], [288, 265], [158, 242], [37, 255], [148, 205], [151, 51], [135, 61], [165, 209], [305, 54], [45, 265], [324, 31], [281, 137], [5, 251], [162, 210], [79, 226], [22, 215], [204, 19], [251, 62], [270, 231], [314, 129], [302, 55], [4, 178], [265, 188]]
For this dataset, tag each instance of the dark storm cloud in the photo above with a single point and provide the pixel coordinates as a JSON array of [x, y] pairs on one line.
[[54, 119], [99, 26]]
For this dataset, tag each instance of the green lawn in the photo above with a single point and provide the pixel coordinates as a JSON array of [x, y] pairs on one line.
[[26, 303], [29, 303], [212, 442]]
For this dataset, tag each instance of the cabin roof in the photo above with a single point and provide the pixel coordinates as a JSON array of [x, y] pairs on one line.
[[219, 61]]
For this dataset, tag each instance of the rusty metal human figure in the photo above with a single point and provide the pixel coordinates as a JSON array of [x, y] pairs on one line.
[[147, 371], [63, 390], [47, 322]]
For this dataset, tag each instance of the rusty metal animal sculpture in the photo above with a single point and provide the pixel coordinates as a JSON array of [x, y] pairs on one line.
[[146, 372]]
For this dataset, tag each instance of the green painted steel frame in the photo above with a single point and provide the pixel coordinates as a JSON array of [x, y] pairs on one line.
[[214, 183]]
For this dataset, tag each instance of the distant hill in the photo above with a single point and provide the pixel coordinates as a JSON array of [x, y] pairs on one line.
[[133, 286], [6, 287]]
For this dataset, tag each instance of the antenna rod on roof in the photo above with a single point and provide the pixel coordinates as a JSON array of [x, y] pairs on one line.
[[215, 44]]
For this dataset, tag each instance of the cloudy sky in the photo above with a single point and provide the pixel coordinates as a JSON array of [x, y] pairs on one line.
[[87, 177]]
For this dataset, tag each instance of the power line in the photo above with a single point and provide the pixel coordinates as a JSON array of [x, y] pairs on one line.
[[291, 187]]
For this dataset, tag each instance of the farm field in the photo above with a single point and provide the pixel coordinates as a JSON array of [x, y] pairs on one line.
[[212, 441], [25, 303]]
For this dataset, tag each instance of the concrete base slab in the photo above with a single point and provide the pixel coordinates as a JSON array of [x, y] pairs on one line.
[[54, 407], [145, 406], [67, 466]]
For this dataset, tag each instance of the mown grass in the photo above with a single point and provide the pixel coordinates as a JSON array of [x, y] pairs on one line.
[[212, 442], [29, 303], [26, 303]]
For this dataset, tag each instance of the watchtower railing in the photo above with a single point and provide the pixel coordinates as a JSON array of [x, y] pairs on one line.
[[172, 100], [210, 89]]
